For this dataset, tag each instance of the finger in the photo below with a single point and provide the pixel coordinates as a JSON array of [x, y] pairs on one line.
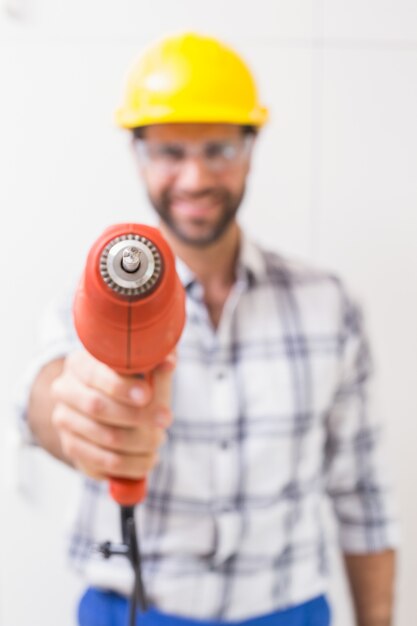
[[131, 390], [169, 363], [96, 405], [102, 463], [162, 386], [144, 439]]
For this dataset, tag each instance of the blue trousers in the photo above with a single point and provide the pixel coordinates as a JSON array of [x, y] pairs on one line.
[[105, 608]]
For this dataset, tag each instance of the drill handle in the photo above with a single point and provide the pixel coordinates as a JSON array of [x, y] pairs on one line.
[[128, 492], [125, 491]]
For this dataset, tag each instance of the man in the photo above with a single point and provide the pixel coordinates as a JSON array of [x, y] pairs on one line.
[[270, 391]]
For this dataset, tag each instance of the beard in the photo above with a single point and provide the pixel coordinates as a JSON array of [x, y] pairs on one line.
[[207, 233]]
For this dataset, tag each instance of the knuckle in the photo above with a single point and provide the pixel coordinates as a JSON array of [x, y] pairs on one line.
[[110, 380], [58, 416], [56, 386], [69, 447], [91, 472], [157, 438], [113, 463], [94, 404], [168, 416], [163, 415], [114, 388], [149, 461], [113, 437], [162, 437]]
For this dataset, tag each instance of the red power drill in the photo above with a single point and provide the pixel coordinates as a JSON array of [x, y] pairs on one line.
[[129, 312]]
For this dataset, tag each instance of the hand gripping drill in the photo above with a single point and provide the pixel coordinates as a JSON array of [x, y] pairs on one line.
[[129, 312]]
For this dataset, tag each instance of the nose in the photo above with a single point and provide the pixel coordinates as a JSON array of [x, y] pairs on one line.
[[193, 174]]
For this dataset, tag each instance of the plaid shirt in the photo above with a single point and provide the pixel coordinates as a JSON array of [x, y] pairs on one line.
[[271, 411]]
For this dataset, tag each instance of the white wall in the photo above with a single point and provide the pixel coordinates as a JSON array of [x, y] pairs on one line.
[[334, 182]]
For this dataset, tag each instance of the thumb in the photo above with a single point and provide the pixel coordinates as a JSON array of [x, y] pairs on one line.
[[162, 378]]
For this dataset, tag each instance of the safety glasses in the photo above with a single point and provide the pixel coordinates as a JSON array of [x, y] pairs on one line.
[[216, 155]]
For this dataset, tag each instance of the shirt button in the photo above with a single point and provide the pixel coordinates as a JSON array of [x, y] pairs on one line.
[[220, 375], [224, 444]]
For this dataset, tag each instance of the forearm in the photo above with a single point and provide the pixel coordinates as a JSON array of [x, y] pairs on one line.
[[371, 579], [40, 410]]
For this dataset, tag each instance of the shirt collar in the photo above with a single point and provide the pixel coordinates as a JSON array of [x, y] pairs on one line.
[[251, 261], [250, 264], [186, 276]]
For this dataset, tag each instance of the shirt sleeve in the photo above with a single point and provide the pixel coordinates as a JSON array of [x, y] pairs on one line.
[[56, 338], [356, 470]]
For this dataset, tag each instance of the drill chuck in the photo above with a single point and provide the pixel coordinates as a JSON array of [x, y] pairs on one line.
[[129, 308], [131, 265]]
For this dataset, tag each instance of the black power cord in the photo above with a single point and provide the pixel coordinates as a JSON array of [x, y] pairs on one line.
[[129, 548], [130, 539]]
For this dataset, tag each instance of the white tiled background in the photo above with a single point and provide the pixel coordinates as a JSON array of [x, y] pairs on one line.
[[335, 181]]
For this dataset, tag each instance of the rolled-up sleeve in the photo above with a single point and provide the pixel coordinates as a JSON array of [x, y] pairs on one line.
[[357, 479], [56, 338]]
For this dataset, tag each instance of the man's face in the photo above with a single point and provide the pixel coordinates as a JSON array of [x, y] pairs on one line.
[[195, 176]]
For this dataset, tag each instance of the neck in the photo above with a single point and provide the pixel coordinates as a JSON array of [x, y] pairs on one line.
[[215, 263]]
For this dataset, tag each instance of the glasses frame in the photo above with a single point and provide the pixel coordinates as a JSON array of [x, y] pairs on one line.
[[193, 149]]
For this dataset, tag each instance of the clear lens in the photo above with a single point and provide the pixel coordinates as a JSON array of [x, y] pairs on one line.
[[166, 152], [217, 156]]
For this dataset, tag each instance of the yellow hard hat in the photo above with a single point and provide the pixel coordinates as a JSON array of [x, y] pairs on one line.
[[190, 78]]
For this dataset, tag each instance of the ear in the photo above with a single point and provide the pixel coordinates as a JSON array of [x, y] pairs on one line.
[[253, 139], [135, 156]]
